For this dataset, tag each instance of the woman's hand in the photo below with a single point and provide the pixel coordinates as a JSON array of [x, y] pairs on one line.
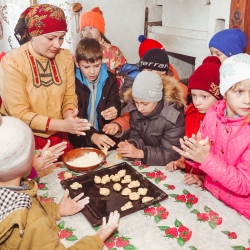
[[193, 150], [74, 125], [70, 207], [111, 128], [102, 141], [42, 159], [110, 113], [173, 165], [107, 229], [127, 149], [190, 179]]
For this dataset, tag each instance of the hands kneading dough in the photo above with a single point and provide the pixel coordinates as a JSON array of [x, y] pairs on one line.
[[127, 206], [134, 184], [142, 191], [117, 187], [67, 175], [134, 196], [126, 191], [76, 185], [104, 191], [146, 199]]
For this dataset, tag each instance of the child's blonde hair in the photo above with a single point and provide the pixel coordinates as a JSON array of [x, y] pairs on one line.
[[89, 50]]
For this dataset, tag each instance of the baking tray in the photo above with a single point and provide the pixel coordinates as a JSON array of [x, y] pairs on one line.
[[100, 206]]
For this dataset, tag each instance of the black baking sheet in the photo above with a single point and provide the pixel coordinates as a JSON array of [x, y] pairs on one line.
[[100, 206]]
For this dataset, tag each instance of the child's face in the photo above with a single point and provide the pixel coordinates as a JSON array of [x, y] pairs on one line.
[[91, 32], [238, 99], [218, 53], [202, 100], [90, 70], [144, 107]]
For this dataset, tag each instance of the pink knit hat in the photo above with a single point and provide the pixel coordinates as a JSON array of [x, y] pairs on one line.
[[16, 148]]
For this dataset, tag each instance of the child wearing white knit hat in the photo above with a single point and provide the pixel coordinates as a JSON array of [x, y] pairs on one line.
[[225, 156], [23, 217]]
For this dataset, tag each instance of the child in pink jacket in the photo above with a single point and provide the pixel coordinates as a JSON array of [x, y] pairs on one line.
[[225, 157]]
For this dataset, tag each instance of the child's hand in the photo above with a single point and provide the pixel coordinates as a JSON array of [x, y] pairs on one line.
[[56, 150], [110, 113], [193, 150], [102, 141], [173, 165], [194, 179], [107, 229], [127, 149], [70, 207], [111, 128]]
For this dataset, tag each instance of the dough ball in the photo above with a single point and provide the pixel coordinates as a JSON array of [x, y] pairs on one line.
[[105, 151], [118, 156], [115, 178], [126, 191], [142, 191], [110, 164], [104, 191], [67, 175], [127, 179], [146, 199], [134, 196], [202, 142], [47, 152], [127, 206], [105, 179], [122, 172], [117, 187], [134, 184], [75, 185], [97, 179]]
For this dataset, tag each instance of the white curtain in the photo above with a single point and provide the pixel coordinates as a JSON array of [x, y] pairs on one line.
[[10, 11]]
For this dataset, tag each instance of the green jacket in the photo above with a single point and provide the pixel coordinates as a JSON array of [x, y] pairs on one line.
[[36, 228]]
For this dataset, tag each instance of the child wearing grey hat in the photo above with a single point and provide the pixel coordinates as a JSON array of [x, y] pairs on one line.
[[23, 217], [156, 121], [225, 156]]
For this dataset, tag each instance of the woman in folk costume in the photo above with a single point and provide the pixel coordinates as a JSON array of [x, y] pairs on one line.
[[37, 79]]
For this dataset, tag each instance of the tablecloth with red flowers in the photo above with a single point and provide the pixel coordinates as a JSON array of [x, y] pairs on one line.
[[191, 218]]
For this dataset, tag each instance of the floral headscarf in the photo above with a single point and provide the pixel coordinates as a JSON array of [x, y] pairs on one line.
[[38, 20]]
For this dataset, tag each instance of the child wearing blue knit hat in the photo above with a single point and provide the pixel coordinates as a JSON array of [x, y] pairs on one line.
[[227, 43]]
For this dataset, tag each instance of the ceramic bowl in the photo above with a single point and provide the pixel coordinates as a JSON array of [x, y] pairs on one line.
[[75, 153]]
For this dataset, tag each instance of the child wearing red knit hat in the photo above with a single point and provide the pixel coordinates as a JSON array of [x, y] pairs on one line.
[[92, 25], [204, 88]]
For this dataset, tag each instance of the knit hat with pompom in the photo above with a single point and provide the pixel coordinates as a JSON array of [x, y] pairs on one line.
[[148, 44], [93, 18], [207, 77], [16, 148]]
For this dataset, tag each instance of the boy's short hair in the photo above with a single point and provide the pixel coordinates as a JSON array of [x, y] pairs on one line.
[[89, 50]]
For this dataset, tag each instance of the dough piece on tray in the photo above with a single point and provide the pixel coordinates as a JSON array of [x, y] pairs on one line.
[[126, 191], [97, 179], [117, 187], [142, 191], [128, 205], [115, 178], [75, 185], [67, 175], [105, 179], [134, 184], [122, 173], [104, 191], [134, 196], [126, 179], [146, 199]]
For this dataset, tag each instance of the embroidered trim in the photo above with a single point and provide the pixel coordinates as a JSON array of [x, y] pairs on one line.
[[47, 125]]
